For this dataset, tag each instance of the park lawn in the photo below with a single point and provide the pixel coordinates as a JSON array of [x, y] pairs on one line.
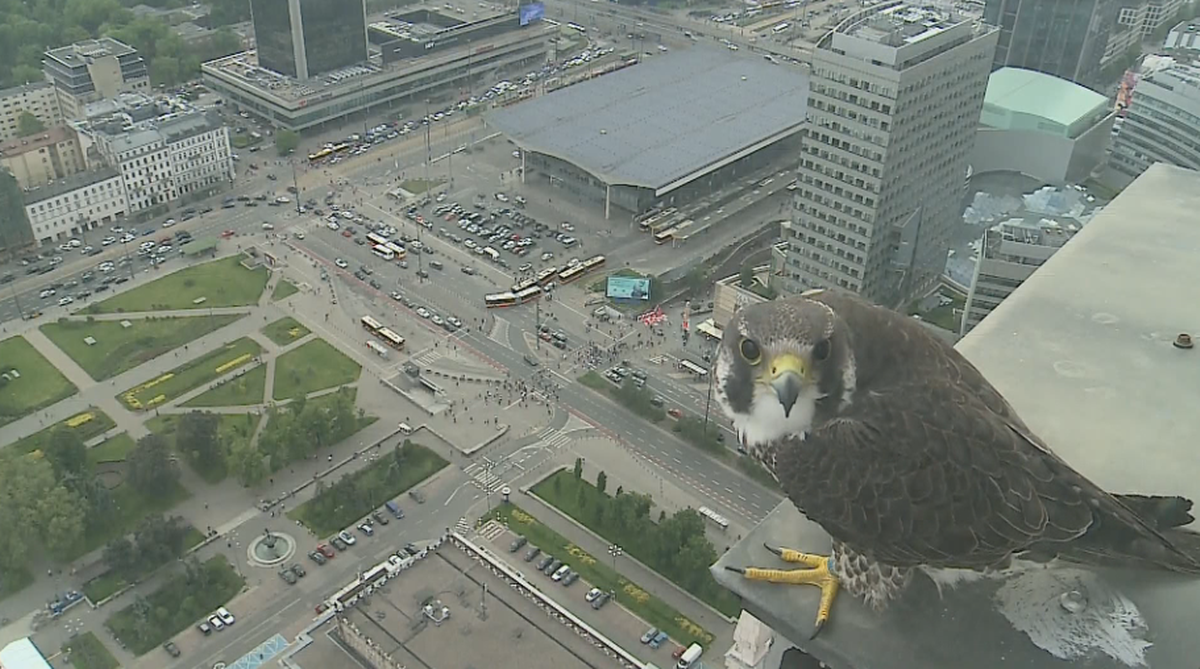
[[108, 584], [222, 283], [38, 385], [115, 449], [89, 652], [175, 606], [418, 186], [285, 331], [565, 492], [283, 290], [314, 366], [88, 428], [233, 429], [242, 390], [119, 349], [14, 580], [330, 511], [191, 375], [598, 574]]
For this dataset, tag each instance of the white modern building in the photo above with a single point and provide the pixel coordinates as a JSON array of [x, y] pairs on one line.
[[72, 206], [1161, 124], [37, 98], [896, 93], [93, 70], [1009, 254], [1183, 37]]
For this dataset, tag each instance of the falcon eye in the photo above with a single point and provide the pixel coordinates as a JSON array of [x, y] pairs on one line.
[[750, 351], [821, 350]]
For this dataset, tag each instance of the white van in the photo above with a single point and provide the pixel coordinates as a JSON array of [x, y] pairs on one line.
[[689, 657], [405, 428]]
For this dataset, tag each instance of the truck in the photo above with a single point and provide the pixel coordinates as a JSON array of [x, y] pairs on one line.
[[689, 656]]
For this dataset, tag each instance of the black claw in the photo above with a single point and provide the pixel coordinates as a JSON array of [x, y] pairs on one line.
[[777, 551], [817, 630], [736, 570]]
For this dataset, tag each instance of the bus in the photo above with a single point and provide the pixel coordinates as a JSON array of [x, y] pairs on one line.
[[664, 224], [663, 236], [595, 262], [717, 519], [320, 155], [576, 27], [498, 300], [545, 276], [781, 27], [377, 240], [371, 325], [400, 252], [491, 253], [378, 349], [391, 338], [522, 285], [341, 148], [648, 214], [680, 232], [694, 369], [571, 273], [529, 294], [383, 252], [648, 223]]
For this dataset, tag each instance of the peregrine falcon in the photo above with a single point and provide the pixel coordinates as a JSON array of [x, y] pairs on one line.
[[904, 453]]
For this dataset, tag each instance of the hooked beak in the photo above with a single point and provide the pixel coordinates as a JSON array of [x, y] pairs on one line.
[[788, 373]]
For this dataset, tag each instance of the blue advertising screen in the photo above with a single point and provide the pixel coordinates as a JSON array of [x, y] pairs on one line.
[[531, 12], [628, 288]]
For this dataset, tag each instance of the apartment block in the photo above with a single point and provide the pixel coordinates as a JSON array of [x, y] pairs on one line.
[[43, 157], [37, 98], [93, 70], [895, 100], [72, 206]]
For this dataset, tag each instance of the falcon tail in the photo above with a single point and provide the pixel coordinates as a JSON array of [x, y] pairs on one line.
[[1162, 545]]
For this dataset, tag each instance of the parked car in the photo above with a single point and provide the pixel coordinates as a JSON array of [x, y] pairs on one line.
[[347, 537], [517, 544], [339, 544], [658, 640], [299, 571], [326, 551], [225, 616], [411, 548], [570, 578], [600, 601], [287, 576], [545, 562], [592, 595], [552, 567], [204, 628], [532, 553], [366, 529], [215, 623], [379, 517], [318, 558], [649, 635]]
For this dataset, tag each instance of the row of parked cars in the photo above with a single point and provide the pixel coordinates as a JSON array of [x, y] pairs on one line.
[[558, 571]]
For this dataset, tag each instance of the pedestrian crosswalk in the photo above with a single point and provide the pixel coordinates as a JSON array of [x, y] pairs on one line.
[[427, 357], [491, 529], [499, 333], [483, 478], [462, 528]]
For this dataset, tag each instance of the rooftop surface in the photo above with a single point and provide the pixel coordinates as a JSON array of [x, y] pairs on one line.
[[24, 88], [70, 183], [663, 119], [19, 145], [1083, 351], [74, 54], [902, 23], [1041, 95]]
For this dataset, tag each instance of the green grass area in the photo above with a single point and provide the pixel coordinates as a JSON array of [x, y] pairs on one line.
[[283, 290], [234, 430], [221, 283], [89, 425], [418, 186], [311, 367], [597, 572], [28, 382], [88, 652], [354, 496], [176, 605], [14, 580], [242, 390], [115, 449], [627, 395], [119, 349], [186, 377], [611, 518], [129, 505], [285, 331], [109, 583]]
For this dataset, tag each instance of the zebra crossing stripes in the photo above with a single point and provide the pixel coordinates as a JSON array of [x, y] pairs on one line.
[[483, 478], [462, 528], [491, 530], [499, 331], [427, 357]]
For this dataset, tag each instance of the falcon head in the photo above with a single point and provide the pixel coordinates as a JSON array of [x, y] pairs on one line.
[[776, 362]]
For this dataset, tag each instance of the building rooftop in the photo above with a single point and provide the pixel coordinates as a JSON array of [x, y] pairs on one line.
[[901, 24], [664, 119], [70, 183], [1014, 92], [1083, 351], [22, 654], [75, 55], [18, 145], [23, 88]]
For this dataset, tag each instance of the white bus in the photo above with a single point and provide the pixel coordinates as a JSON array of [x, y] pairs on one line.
[[716, 518], [491, 253], [694, 369], [577, 28], [781, 27], [377, 240], [378, 349], [383, 252]]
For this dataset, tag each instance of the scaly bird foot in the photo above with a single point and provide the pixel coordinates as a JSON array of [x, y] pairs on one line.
[[817, 572]]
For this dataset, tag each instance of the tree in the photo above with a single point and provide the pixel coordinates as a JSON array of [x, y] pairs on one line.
[[196, 437], [578, 468], [151, 469], [15, 232], [67, 453], [601, 482], [286, 142], [28, 124], [120, 555], [247, 464], [33, 503], [746, 276]]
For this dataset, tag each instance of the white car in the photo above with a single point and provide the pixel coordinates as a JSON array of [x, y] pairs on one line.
[[546, 256], [49, 292], [421, 311], [333, 225], [347, 537], [65, 300], [593, 594], [215, 623], [225, 616], [168, 223], [341, 263], [108, 240], [107, 267], [268, 226], [126, 238]]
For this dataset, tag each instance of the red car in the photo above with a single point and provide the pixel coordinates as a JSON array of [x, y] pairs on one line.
[[227, 234], [325, 550], [675, 413], [347, 234]]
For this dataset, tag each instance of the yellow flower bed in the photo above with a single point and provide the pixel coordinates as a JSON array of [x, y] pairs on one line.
[[82, 418], [694, 629], [639, 595], [241, 359], [581, 555], [522, 517]]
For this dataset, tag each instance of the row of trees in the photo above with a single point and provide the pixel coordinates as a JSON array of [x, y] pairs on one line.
[[156, 541], [29, 27], [298, 431]]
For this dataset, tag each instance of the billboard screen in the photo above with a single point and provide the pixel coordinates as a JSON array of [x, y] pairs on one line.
[[531, 12], [628, 288]]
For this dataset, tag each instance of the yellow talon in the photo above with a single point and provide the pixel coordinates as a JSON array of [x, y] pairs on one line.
[[815, 573]]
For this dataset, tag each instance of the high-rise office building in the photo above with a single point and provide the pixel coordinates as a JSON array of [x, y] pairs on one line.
[[1160, 126], [896, 94], [1066, 38], [92, 70], [306, 38]]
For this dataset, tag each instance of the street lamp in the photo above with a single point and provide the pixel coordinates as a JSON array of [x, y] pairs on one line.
[[615, 551]]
